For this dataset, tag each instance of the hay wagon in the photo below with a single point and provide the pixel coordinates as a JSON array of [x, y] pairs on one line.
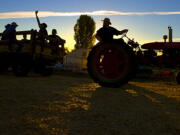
[[34, 55]]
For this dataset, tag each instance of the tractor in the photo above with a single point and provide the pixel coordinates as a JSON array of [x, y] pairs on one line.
[[34, 55], [114, 63]]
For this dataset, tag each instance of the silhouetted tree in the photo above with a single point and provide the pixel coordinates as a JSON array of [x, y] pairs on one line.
[[84, 30]]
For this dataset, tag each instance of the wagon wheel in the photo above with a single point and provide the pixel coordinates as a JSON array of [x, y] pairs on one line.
[[111, 65], [22, 64], [21, 69], [41, 67], [4, 62]]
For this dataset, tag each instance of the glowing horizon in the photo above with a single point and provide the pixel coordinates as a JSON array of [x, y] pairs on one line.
[[31, 14]]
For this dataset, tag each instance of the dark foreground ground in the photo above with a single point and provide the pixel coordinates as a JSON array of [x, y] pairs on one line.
[[74, 105]]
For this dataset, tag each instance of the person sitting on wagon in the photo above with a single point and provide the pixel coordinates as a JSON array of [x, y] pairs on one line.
[[4, 34], [106, 33], [43, 34], [11, 37], [55, 40]]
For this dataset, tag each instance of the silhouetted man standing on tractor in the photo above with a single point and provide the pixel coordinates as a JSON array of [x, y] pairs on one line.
[[106, 33]]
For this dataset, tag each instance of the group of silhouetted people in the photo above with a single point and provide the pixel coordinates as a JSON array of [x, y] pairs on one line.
[[54, 39], [104, 34], [9, 34]]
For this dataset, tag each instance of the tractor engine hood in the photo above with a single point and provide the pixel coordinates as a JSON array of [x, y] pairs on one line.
[[161, 45]]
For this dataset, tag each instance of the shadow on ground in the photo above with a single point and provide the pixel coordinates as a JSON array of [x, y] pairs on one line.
[[63, 105]]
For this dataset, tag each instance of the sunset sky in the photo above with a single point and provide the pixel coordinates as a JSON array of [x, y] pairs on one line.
[[146, 20]]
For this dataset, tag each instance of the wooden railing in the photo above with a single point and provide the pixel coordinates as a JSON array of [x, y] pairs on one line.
[[22, 32], [33, 40]]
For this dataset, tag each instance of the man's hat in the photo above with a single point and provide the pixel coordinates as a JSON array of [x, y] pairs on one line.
[[14, 24], [45, 25], [107, 20], [8, 25], [54, 30]]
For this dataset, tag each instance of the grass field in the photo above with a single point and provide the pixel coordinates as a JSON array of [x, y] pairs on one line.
[[75, 105]]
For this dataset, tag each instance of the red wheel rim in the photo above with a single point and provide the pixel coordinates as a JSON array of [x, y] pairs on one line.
[[111, 63]]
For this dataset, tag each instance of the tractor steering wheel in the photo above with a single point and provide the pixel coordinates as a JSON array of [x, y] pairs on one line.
[[124, 35]]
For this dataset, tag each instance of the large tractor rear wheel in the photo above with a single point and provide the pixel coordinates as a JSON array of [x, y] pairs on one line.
[[111, 65]]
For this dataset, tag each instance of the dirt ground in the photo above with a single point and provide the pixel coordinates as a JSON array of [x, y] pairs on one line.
[[75, 105]]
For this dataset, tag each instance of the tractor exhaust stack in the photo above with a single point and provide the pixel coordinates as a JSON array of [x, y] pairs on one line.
[[170, 34]]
